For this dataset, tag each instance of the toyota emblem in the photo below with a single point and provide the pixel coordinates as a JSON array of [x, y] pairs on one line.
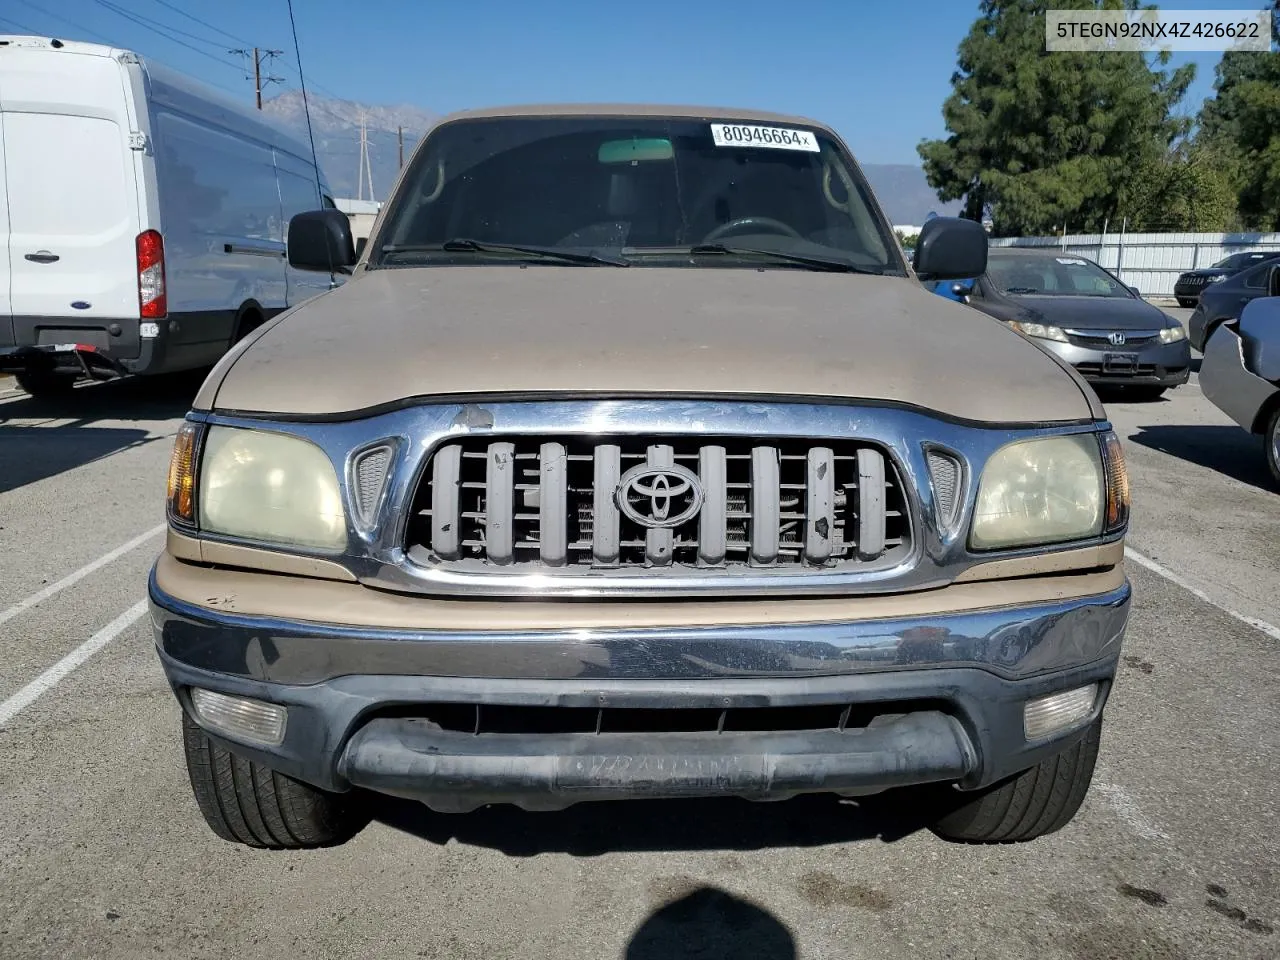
[[659, 497], [1117, 338]]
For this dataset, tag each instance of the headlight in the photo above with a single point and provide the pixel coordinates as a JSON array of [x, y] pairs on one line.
[[269, 487], [1217, 279], [1041, 331], [1172, 334], [1041, 491]]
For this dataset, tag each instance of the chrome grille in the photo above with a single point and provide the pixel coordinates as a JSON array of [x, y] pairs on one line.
[[1101, 338], [554, 503]]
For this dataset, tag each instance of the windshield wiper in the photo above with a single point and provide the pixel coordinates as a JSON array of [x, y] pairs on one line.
[[458, 244], [818, 263]]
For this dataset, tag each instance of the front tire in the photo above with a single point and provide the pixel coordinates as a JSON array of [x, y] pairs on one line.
[[46, 384], [1031, 804], [246, 802]]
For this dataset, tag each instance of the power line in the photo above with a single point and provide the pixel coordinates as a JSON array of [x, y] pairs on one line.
[[203, 23], [156, 30], [71, 23], [17, 26]]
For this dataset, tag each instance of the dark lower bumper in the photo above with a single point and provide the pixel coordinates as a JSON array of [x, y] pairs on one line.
[[461, 771]]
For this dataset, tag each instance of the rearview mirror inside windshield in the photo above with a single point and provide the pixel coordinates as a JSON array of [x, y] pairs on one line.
[[629, 151]]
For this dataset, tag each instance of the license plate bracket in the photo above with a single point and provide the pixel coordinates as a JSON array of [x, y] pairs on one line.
[[1119, 362]]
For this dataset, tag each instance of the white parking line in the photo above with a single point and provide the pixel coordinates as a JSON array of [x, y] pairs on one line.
[[77, 576], [1270, 630], [59, 671]]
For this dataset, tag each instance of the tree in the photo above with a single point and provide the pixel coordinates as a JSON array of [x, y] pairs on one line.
[[1193, 188], [1241, 123], [1037, 138]]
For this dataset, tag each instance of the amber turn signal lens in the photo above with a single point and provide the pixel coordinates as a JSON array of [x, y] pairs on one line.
[[182, 475], [1117, 482]]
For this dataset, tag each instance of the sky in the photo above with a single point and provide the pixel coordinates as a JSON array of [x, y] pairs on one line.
[[876, 70]]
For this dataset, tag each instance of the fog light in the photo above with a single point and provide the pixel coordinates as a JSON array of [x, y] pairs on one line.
[[239, 716], [1045, 716]]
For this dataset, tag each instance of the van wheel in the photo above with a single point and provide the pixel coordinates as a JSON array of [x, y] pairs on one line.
[[46, 384], [1026, 806], [1273, 445], [250, 321], [245, 802]]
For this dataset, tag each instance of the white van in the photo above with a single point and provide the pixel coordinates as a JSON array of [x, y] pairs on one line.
[[143, 216]]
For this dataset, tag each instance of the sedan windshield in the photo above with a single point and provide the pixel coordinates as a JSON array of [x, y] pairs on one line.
[[634, 191], [1238, 261], [1040, 275]]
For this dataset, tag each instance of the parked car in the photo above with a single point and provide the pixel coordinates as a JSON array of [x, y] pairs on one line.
[[1224, 301], [1079, 312], [146, 216], [1190, 285], [1240, 374], [464, 551]]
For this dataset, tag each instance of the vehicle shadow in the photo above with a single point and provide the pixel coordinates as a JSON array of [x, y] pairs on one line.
[[131, 398], [596, 828], [42, 437], [710, 923], [1229, 450]]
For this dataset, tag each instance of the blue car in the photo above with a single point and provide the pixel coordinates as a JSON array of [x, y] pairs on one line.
[[954, 289]]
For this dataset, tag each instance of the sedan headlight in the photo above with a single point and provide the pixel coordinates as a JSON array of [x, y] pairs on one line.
[[1041, 331], [1172, 334], [1217, 278], [269, 487], [1048, 490]]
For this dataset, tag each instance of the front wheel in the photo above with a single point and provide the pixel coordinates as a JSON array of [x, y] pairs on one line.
[[245, 802], [1031, 804], [1273, 445]]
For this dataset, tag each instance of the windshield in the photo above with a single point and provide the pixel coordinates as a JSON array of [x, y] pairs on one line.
[[1238, 261], [645, 191], [1052, 276]]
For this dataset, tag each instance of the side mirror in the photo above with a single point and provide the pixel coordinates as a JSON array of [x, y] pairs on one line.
[[1135, 292], [950, 248], [321, 240], [1273, 281]]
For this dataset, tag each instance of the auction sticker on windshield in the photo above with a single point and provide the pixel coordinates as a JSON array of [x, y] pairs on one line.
[[741, 135]]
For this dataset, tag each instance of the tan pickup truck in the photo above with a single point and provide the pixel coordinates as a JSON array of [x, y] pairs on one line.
[[633, 460]]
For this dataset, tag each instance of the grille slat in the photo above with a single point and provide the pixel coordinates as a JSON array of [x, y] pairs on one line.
[[764, 504], [712, 522], [553, 470], [871, 507], [444, 501], [526, 503], [606, 518]]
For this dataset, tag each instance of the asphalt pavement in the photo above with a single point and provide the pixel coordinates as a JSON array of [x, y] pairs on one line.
[[103, 853]]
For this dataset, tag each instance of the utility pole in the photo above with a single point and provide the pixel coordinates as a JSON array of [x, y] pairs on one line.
[[400, 138], [261, 58], [366, 167]]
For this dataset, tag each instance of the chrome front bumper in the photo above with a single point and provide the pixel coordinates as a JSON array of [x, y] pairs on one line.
[[946, 693]]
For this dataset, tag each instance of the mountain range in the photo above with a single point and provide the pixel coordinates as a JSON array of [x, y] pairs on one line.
[[901, 188]]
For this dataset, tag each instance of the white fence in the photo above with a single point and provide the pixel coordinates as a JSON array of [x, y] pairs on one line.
[[1151, 261]]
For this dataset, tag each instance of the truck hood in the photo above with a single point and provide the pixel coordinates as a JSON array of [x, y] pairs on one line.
[[390, 335]]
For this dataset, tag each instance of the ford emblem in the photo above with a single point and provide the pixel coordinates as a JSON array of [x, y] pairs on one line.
[[81, 305]]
